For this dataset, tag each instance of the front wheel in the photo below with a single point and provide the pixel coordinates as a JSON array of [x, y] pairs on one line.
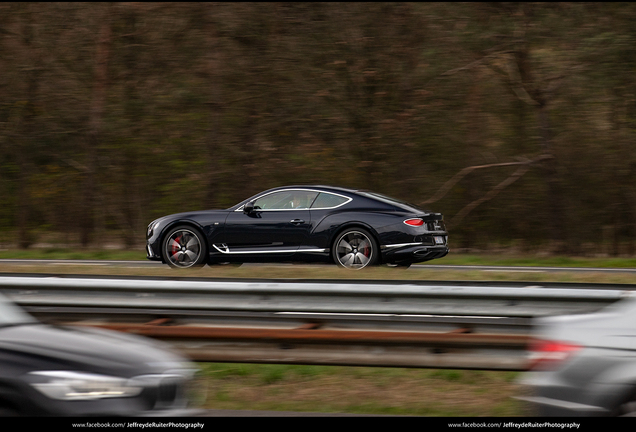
[[355, 249], [184, 247]]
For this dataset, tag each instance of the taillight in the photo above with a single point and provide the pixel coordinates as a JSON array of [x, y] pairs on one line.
[[414, 222], [548, 354]]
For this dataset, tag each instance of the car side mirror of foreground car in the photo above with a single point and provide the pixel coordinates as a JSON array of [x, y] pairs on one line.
[[249, 208]]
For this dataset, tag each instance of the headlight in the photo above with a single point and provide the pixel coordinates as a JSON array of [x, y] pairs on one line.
[[67, 385], [151, 228]]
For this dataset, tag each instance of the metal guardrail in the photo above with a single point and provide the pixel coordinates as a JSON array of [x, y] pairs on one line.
[[419, 324], [314, 297]]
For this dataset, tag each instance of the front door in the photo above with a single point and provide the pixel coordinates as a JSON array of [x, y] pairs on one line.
[[278, 225]]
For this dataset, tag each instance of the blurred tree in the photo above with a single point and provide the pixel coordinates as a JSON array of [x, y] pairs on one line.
[[95, 122], [515, 115], [23, 65]]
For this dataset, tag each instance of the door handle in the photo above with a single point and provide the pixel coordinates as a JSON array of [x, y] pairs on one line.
[[297, 221]]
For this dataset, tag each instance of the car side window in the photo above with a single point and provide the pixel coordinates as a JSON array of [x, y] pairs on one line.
[[286, 200], [327, 200]]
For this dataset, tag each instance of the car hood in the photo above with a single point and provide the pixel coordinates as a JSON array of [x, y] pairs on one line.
[[199, 216], [40, 346], [183, 215]]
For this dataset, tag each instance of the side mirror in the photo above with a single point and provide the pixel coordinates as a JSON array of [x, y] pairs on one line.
[[248, 208]]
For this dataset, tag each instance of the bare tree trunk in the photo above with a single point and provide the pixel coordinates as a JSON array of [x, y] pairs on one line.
[[26, 132], [25, 166], [214, 134], [96, 115], [526, 90], [555, 195], [474, 138], [130, 202]]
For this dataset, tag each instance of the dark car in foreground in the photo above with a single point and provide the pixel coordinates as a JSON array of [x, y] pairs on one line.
[[584, 365], [351, 228], [69, 371]]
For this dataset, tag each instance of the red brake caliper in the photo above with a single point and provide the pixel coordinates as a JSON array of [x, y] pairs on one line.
[[175, 246]]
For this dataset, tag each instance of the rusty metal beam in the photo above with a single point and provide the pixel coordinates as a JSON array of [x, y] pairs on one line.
[[338, 347], [320, 336]]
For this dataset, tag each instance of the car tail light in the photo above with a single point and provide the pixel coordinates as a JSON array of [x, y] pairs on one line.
[[414, 222], [548, 354]]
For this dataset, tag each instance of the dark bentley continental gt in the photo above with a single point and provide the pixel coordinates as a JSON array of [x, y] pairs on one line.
[[352, 228]]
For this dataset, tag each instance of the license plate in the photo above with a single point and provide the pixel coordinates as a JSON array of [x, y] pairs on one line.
[[439, 239]]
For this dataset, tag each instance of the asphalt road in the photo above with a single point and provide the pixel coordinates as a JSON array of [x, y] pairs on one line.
[[155, 264]]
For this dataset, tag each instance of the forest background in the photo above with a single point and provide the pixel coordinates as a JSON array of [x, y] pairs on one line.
[[515, 120]]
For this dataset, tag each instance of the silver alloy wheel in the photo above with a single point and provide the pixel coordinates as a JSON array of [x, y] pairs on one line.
[[354, 250], [183, 248]]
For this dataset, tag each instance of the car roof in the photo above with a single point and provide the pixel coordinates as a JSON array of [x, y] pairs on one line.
[[321, 187]]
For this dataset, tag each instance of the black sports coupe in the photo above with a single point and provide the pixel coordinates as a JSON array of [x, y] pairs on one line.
[[353, 228]]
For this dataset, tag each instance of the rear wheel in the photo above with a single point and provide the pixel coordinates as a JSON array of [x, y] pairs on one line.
[[355, 249], [184, 247]]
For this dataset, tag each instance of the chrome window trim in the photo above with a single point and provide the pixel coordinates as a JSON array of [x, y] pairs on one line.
[[349, 199]]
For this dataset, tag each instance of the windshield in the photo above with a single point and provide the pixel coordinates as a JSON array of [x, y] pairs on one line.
[[10, 314]]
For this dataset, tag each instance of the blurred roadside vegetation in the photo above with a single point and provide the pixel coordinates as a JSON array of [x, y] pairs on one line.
[[515, 120], [359, 390]]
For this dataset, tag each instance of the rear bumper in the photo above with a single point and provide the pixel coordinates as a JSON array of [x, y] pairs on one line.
[[412, 253]]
